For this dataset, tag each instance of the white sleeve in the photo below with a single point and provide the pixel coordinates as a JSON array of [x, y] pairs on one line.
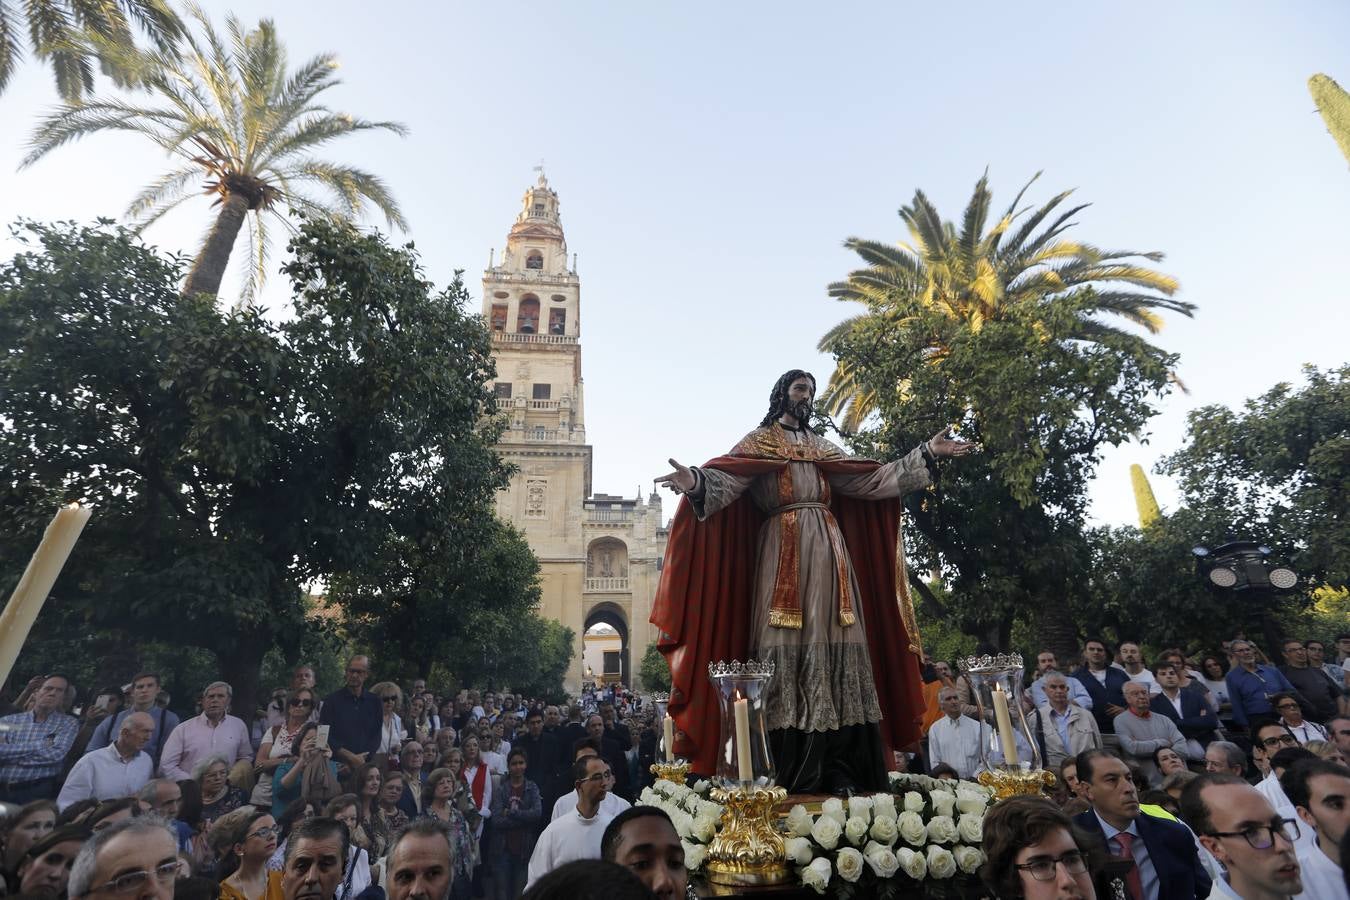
[[541, 861]]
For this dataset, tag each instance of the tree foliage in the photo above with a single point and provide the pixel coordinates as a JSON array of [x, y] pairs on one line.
[[232, 461], [1034, 378], [654, 670]]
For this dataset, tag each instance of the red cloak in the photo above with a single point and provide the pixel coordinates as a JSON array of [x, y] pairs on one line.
[[703, 603]]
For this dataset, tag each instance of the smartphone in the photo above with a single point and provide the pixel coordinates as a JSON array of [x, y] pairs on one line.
[[104, 701], [321, 741]]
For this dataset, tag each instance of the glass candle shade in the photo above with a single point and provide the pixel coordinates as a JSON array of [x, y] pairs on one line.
[[1006, 739], [743, 757]]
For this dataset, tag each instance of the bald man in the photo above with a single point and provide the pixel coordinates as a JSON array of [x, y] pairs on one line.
[[118, 770]]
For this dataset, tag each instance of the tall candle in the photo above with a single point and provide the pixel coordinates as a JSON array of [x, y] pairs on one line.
[[745, 769], [669, 726], [1005, 729], [26, 601]]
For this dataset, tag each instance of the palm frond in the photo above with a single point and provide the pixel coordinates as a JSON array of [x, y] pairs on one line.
[[1033, 221], [320, 129], [73, 121], [972, 222], [352, 187], [11, 51], [168, 188], [831, 338]]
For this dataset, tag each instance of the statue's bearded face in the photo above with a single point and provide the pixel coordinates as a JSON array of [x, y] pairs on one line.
[[797, 401]]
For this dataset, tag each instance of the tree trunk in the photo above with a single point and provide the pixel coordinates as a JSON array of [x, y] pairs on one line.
[[1055, 629], [243, 670], [209, 267]]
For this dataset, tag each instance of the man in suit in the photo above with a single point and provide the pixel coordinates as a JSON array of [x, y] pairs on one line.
[[1103, 682], [1166, 862], [1189, 711]]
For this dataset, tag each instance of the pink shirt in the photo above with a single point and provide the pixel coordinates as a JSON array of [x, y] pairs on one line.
[[197, 739]]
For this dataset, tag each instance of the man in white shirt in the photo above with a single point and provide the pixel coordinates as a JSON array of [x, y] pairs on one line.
[[1132, 661], [578, 835], [213, 733], [954, 739], [118, 770], [1320, 791], [611, 806], [1269, 741]]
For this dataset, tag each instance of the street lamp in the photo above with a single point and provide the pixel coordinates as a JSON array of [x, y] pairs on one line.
[[1244, 567]]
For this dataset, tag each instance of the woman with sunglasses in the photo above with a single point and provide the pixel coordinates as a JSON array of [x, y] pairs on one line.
[[254, 843], [275, 748], [392, 733]]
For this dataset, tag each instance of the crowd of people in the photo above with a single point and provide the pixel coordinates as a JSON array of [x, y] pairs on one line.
[[1176, 780]]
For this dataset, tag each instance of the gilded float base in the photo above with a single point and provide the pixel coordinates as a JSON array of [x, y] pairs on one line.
[[1006, 783], [677, 771], [748, 850]]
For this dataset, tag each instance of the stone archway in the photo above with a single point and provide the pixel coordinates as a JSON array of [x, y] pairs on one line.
[[614, 616]]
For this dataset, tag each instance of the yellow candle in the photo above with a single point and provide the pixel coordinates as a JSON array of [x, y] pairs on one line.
[[745, 769], [1005, 728], [669, 726], [26, 601]]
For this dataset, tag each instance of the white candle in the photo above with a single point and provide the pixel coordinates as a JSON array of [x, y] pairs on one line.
[[1005, 729], [745, 769], [26, 601], [669, 726]]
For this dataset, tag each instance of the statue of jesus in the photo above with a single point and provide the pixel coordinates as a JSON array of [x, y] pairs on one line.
[[806, 572]]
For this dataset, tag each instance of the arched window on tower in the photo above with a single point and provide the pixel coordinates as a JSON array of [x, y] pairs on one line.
[[535, 260], [527, 317], [499, 317], [557, 321]]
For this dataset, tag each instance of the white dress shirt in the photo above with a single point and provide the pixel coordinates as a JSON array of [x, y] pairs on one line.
[[1148, 876], [1270, 787], [955, 742], [103, 774], [611, 806], [1322, 878]]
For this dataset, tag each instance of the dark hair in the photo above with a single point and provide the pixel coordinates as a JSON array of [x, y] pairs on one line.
[[139, 675], [1277, 699], [1157, 763], [579, 768], [517, 751], [423, 827], [1193, 808], [1155, 797], [77, 812], [1097, 640], [1085, 762], [779, 394], [582, 743], [1257, 723], [56, 836], [239, 834], [943, 769], [300, 737], [316, 828], [190, 807], [198, 887], [112, 808], [1218, 658], [589, 879], [609, 843], [339, 803], [534, 713], [1290, 755], [294, 812], [1295, 778], [1016, 823], [10, 822]]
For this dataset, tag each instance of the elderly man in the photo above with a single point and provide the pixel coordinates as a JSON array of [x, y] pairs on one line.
[[421, 862], [1047, 662], [1253, 841], [144, 690], [1225, 756], [1251, 685], [1063, 729], [134, 858], [1320, 693], [1142, 733], [954, 739], [213, 733], [34, 744], [118, 770]]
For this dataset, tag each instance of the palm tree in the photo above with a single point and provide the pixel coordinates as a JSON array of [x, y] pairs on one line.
[[232, 112], [973, 276], [71, 34]]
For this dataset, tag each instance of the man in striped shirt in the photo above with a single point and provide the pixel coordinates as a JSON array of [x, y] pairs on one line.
[[33, 745]]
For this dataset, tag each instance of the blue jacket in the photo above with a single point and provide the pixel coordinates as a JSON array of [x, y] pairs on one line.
[[1171, 849], [1102, 695], [1197, 719]]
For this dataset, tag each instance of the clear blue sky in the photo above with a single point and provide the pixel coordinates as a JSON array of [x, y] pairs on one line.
[[711, 157]]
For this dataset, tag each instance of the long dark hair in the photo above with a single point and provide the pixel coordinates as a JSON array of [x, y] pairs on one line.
[[779, 394]]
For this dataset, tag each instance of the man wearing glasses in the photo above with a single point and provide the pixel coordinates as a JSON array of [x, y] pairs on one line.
[[136, 858], [1237, 824], [354, 716], [33, 745], [1251, 685], [578, 835]]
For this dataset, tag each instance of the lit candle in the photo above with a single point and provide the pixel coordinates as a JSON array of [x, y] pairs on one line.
[[26, 601], [669, 726], [1005, 729], [746, 770]]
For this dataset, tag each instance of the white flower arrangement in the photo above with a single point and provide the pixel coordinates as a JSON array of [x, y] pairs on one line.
[[695, 817]]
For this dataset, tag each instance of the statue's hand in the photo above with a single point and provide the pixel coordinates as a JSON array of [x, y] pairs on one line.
[[942, 445], [681, 481]]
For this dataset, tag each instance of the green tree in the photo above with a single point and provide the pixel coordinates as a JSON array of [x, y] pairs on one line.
[[1012, 351], [230, 461], [73, 35], [653, 670], [227, 109]]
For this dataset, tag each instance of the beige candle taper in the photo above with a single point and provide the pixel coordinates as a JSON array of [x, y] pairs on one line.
[[31, 593], [668, 729], [1005, 729]]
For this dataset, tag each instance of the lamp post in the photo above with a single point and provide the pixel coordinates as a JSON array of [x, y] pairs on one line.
[[1244, 568]]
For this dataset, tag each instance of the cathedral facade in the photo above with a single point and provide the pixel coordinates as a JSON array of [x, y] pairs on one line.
[[600, 555]]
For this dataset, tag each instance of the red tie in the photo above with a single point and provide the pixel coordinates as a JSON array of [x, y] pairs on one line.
[[1133, 885]]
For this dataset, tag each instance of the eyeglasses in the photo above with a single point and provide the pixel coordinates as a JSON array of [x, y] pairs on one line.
[[352, 671], [598, 777], [1262, 837], [390, 699], [132, 881], [299, 701], [267, 832], [1287, 740], [1043, 869], [1286, 706]]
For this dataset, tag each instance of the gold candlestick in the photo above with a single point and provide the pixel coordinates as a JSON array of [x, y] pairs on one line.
[[676, 770], [748, 849], [1007, 783]]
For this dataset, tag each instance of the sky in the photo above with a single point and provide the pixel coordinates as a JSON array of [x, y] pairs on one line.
[[711, 158]]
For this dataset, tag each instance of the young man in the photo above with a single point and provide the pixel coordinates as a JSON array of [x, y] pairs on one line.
[[576, 836], [644, 841], [1189, 711], [1320, 792], [1132, 661], [1255, 844], [612, 805], [1103, 682]]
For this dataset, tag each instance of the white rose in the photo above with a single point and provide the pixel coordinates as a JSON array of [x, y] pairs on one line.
[[849, 863], [684, 823], [913, 801], [970, 828], [971, 801], [941, 863], [883, 805], [884, 829], [942, 830], [701, 786], [648, 797], [856, 830], [968, 858], [826, 832], [817, 875], [834, 808], [860, 807], [694, 855], [709, 808], [943, 802], [911, 863], [705, 827], [691, 802], [883, 862], [799, 850], [799, 821], [912, 828]]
